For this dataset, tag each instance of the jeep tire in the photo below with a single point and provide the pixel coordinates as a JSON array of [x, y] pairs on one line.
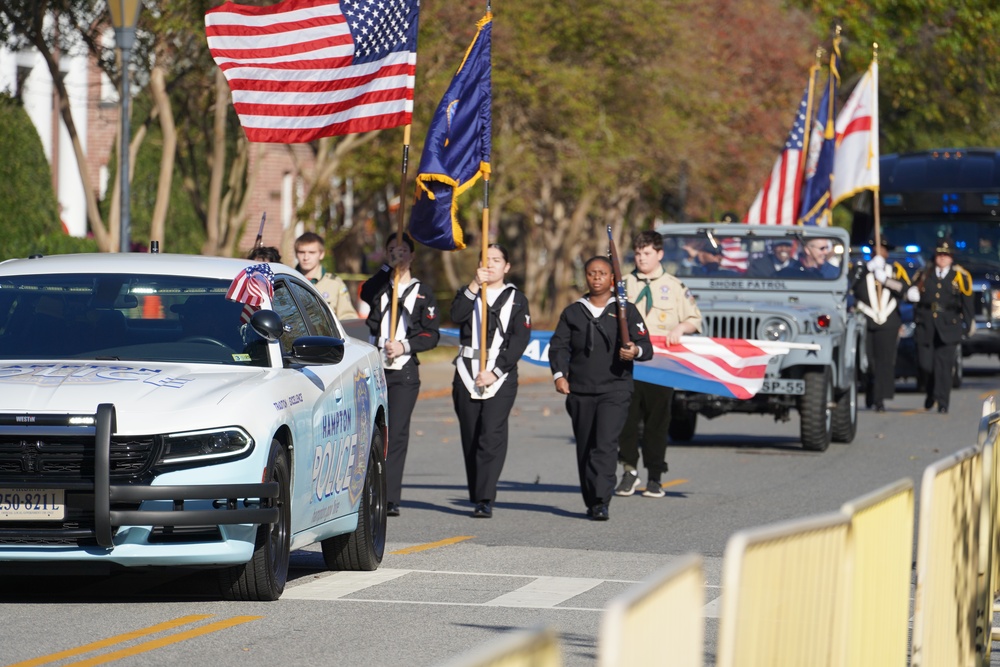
[[682, 424], [845, 415], [815, 415]]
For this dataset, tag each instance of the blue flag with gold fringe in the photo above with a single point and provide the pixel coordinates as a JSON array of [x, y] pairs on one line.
[[457, 149], [817, 202]]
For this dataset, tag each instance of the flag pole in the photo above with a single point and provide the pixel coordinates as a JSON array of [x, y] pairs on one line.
[[399, 233], [878, 222], [485, 235]]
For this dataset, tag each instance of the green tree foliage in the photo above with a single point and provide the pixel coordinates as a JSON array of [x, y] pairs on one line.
[[939, 67], [28, 207]]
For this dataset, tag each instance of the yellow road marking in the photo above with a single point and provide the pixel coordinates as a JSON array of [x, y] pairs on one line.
[[431, 545], [164, 641], [111, 641], [673, 483]]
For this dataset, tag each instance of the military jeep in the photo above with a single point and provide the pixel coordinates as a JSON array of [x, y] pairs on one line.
[[787, 284]]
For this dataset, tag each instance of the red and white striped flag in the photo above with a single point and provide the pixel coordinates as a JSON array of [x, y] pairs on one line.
[[855, 163], [253, 285], [722, 366], [777, 203], [305, 69]]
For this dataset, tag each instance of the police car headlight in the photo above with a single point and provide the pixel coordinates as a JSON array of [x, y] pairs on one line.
[[205, 445], [776, 330]]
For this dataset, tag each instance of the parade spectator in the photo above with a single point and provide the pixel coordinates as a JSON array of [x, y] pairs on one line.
[[943, 316], [310, 251], [593, 369], [417, 321], [670, 311], [879, 290], [483, 398]]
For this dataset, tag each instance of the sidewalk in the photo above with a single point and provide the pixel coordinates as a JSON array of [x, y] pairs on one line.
[[436, 376]]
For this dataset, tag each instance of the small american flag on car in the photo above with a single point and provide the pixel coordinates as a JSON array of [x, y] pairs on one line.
[[252, 286]]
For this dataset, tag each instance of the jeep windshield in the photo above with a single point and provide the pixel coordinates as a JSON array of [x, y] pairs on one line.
[[789, 256], [124, 317]]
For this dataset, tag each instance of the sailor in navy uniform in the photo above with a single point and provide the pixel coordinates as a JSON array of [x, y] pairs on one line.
[[879, 289], [483, 399], [417, 322], [593, 369], [943, 315]]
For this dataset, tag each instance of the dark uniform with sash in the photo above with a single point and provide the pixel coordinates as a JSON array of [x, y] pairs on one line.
[[417, 322], [483, 412], [584, 350], [943, 316], [879, 292]]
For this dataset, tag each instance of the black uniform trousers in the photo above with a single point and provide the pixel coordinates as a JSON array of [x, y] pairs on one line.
[[402, 387], [881, 345], [937, 359], [483, 427], [650, 407], [597, 422]]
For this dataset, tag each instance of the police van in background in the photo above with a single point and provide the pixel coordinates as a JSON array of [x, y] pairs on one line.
[[946, 194]]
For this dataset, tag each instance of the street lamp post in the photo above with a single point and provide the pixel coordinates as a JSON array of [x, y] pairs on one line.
[[124, 15]]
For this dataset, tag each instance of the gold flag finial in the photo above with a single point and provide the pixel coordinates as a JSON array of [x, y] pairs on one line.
[[875, 51]]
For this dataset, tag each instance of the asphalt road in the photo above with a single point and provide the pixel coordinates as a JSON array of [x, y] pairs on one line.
[[449, 582]]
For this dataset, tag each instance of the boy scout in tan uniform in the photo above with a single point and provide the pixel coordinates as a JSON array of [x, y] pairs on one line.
[[669, 311]]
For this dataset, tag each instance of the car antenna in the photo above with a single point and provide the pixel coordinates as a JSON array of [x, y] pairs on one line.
[[154, 247]]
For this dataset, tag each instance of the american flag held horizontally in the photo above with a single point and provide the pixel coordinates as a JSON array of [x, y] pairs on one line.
[[305, 69], [777, 203]]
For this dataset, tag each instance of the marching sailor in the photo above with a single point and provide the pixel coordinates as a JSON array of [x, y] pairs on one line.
[[483, 399], [417, 325]]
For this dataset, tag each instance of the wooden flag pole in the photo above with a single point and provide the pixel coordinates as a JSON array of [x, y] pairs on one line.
[[393, 318], [485, 233], [878, 222]]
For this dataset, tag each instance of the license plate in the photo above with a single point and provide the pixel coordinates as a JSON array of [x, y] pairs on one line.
[[792, 387], [32, 504]]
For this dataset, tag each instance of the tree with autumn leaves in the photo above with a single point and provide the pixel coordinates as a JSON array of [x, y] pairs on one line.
[[603, 113]]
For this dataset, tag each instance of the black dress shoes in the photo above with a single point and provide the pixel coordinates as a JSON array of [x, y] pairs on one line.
[[879, 407], [943, 409], [598, 512], [928, 403], [392, 509], [483, 510]]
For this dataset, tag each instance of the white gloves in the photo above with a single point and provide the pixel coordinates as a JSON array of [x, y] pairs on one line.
[[880, 274], [913, 294], [875, 263]]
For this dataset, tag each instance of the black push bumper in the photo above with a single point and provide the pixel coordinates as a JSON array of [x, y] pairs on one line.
[[233, 503]]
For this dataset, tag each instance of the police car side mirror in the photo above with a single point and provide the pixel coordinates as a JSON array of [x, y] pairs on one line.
[[267, 324], [317, 350]]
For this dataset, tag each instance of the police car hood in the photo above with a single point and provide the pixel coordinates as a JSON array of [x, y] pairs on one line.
[[148, 397]]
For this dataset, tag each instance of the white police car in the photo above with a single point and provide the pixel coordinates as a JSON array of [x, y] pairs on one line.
[[146, 419]]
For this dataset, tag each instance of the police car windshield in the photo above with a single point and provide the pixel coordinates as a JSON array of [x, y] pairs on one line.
[[791, 256], [124, 317], [973, 242]]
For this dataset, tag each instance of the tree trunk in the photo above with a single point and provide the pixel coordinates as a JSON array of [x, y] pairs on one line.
[[159, 90], [213, 223]]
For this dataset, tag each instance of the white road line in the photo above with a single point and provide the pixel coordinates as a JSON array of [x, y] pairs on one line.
[[338, 585], [544, 592]]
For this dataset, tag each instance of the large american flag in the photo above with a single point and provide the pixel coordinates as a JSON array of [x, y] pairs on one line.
[[777, 203], [733, 367], [305, 69]]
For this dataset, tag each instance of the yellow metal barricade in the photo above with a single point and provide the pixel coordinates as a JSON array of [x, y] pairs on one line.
[[661, 616], [784, 598], [881, 565], [989, 535], [945, 602], [537, 647]]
